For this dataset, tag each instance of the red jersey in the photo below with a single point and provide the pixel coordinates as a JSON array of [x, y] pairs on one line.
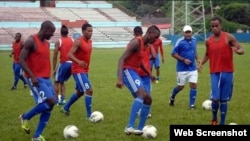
[[64, 47], [16, 47], [146, 62], [157, 44], [135, 60], [220, 54], [39, 60], [83, 54]]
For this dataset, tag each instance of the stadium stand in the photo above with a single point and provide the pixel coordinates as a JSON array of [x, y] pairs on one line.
[[112, 27]]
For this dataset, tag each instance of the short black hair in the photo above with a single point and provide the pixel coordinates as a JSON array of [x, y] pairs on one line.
[[154, 27], [216, 18], [138, 30], [85, 26], [64, 30]]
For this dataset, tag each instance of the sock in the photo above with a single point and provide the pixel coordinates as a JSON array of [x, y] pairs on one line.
[[88, 105], [72, 100], [144, 113], [215, 107], [39, 108], [223, 112], [44, 118], [137, 104], [62, 98], [192, 97], [174, 92]]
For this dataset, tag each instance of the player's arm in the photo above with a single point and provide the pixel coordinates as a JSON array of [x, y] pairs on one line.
[[204, 59], [152, 51], [28, 47], [76, 45], [235, 44], [162, 52], [55, 54], [131, 47]]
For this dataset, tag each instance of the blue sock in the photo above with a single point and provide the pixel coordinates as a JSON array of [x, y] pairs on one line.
[[71, 101], [39, 108], [192, 97], [44, 118], [144, 113], [137, 104], [88, 105], [62, 98], [223, 112], [23, 79], [174, 92], [215, 107]]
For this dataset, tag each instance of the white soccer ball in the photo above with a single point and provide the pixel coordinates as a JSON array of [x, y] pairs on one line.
[[70, 132], [149, 132], [232, 123], [96, 116], [207, 104]]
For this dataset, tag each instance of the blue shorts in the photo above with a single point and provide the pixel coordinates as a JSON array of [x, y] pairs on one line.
[[44, 91], [146, 80], [82, 82], [132, 81], [155, 63], [222, 86], [63, 72], [17, 69]]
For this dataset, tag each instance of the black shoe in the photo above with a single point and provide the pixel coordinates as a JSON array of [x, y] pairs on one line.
[[171, 101], [13, 88], [192, 107], [25, 85]]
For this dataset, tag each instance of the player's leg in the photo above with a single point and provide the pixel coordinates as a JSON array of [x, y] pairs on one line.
[[147, 101], [134, 83], [181, 80], [157, 67], [75, 96], [65, 74], [148, 88], [193, 78], [226, 93], [215, 95], [16, 71], [56, 82], [45, 99]]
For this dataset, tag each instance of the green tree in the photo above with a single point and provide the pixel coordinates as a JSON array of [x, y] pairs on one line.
[[235, 12]]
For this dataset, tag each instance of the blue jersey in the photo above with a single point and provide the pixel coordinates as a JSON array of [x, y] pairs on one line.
[[186, 48]]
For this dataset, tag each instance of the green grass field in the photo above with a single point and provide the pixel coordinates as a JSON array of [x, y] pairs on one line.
[[115, 103]]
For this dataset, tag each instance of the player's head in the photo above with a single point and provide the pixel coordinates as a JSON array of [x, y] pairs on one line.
[[216, 25], [153, 32], [187, 31], [138, 31], [18, 36], [64, 30], [87, 30], [47, 30]]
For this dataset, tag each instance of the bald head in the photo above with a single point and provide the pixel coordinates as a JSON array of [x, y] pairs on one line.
[[47, 30]]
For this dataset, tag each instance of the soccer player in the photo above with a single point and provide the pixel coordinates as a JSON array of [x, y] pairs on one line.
[[185, 52], [35, 60], [155, 63], [219, 51], [149, 53], [63, 71], [18, 71], [80, 54], [128, 65]]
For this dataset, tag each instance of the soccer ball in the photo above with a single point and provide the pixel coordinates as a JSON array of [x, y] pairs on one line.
[[96, 116], [70, 132], [207, 104], [232, 123], [149, 132]]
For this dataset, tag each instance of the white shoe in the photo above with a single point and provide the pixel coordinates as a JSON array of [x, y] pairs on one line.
[[138, 132], [129, 130], [149, 116]]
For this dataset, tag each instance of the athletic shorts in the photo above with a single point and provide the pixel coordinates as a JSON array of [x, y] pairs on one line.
[[222, 85], [187, 76], [82, 82]]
